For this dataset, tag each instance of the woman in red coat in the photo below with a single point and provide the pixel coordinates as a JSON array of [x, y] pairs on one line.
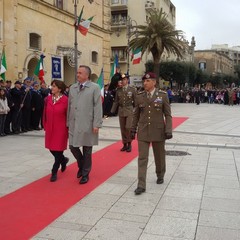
[[54, 122]]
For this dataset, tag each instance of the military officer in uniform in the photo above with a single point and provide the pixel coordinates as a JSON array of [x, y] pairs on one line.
[[124, 101], [152, 121]]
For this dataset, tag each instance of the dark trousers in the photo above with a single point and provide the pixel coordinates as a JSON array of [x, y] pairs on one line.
[[59, 158], [16, 120], [8, 122], [84, 158], [2, 121], [26, 117], [35, 118]]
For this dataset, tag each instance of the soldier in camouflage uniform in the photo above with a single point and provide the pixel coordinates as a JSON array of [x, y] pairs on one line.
[[124, 101], [152, 121]]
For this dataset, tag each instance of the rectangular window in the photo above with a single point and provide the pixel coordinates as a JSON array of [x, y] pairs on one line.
[[59, 4], [115, 1]]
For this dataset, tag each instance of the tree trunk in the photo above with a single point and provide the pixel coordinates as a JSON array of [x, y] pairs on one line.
[[157, 71]]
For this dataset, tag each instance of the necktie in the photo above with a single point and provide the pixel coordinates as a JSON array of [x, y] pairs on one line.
[[81, 86], [149, 95]]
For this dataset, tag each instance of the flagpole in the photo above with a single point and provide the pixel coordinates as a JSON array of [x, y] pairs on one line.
[[130, 32], [75, 41], [75, 37]]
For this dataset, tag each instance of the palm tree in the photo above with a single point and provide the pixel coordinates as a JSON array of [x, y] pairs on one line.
[[158, 35]]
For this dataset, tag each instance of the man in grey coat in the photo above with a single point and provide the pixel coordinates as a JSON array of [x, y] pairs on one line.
[[84, 120]]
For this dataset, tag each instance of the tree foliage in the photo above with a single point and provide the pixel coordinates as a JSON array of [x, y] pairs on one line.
[[158, 35]]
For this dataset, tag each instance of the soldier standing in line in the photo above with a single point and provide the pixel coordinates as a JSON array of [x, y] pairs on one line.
[[152, 118], [124, 101]]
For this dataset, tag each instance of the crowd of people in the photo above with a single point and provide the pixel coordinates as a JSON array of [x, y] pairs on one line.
[[226, 96], [21, 106]]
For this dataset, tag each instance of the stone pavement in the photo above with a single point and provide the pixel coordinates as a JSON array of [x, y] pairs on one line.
[[199, 200]]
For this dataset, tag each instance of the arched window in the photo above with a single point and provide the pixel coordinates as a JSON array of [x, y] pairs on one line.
[[202, 65], [94, 57], [35, 41]]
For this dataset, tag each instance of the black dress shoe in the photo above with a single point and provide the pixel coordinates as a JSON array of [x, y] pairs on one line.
[[79, 173], [124, 148], [53, 177], [64, 164], [84, 180], [160, 181], [139, 191], [129, 148]]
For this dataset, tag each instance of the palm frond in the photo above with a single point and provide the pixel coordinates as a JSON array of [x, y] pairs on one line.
[[158, 35]]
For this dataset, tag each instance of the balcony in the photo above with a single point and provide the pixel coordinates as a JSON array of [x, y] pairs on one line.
[[121, 59], [119, 23], [117, 5]]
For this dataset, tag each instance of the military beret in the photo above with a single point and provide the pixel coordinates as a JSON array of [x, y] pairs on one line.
[[17, 82], [149, 75]]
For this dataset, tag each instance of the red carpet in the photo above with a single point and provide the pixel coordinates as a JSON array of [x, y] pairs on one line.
[[28, 210]]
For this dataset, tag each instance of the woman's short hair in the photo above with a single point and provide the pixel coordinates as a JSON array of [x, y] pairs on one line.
[[60, 84]]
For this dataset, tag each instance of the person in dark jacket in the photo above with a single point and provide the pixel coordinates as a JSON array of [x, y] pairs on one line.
[[37, 103], [26, 109], [17, 98], [108, 101]]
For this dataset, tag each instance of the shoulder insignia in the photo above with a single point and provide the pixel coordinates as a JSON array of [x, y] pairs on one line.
[[141, 92]]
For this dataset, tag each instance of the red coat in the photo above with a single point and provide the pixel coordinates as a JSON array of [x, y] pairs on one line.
[[54, 122]]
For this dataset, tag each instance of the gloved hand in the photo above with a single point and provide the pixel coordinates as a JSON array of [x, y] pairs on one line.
[[168, 135], [133, 134]]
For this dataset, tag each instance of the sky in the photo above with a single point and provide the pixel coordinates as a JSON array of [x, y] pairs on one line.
[[209, 21]]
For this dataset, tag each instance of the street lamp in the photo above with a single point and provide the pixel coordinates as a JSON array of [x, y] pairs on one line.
[[131, 31], [75, 37]]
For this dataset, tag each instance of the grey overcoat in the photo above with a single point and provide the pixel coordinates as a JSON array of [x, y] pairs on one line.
[[84, 114]]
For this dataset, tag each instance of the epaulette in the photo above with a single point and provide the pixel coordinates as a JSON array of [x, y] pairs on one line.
[[161, 91], [141, 92]]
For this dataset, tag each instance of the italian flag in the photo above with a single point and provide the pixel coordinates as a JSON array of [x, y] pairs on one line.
[[39, 69], [100, 83], [114, 66], [3, 67], [84, 26], [137, 53]]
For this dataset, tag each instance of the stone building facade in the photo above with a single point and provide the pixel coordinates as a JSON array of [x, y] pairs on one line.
[[213, 62], [125, 15], [31, 27]]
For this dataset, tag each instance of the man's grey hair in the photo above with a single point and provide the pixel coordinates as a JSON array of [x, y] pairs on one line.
[[88, 69]]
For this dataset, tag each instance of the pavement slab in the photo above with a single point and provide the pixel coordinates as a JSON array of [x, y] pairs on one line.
[[199, 200]]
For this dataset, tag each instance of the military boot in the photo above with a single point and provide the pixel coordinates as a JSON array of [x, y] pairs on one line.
[[124, 148], [129, 147]]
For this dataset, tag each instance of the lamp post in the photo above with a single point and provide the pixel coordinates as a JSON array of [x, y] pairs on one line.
[[75, 37], [130, 32]]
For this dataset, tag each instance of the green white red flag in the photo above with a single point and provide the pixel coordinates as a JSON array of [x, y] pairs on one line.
[[100, 83], [84, 26], [39, 71], [114, 66], [137, 54], [3, 67]]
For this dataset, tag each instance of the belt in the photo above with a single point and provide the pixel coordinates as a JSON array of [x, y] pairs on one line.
[[126, 105]]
